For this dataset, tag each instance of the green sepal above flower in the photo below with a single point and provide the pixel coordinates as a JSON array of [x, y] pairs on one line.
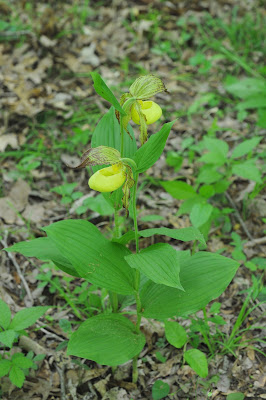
[[146, 86], [142, 112], [99, 156]]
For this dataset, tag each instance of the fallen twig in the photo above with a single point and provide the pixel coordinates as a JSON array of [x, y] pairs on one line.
[[30, 345], [242, 223], [54, 335], [16, 33], [62, 381], [14, 261], [254, 242]]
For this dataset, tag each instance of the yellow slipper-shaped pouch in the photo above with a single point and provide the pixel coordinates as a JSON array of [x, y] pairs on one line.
[[150, 109], [108, 179]]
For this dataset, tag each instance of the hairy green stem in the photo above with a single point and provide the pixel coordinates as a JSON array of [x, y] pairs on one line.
[[135, 212], [113, 296], [138, 302], [137, 278], [116, 230], [121, 137], [194, 247]]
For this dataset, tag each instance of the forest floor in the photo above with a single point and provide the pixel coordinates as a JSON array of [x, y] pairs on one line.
[[49, 110]]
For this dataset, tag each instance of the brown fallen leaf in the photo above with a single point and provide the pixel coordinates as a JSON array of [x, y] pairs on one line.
[[116, 394], [101, 385], [34, 213], [47, 42], [19, 194], [8, 140], [7, 213], [165, 369], [15, 202]]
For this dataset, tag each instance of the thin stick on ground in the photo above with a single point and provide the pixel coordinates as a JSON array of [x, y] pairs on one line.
[[255, 242], [62, 381], [17, 34], [242, 223], [14, 261]]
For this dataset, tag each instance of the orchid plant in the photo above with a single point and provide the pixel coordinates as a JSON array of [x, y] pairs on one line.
[[158, 282]]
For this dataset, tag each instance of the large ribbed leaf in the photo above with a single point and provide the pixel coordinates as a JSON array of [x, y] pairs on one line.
[[158, 262], [95, 258], [184, 234], [149, 153], [204, 276], [107, 133], [44, 249], [108, 339]]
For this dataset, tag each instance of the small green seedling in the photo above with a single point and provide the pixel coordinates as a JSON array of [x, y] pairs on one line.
[[67, 192], [160, 390]]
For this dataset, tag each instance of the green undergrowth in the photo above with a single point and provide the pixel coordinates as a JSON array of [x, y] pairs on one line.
[[231, 51]]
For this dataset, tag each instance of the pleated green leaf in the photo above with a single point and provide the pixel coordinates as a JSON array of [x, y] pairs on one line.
[[158, 262], [94, 257], [150, 152], [204, 277], [184, 234], [108, 339], [44, 249], [107, 133]]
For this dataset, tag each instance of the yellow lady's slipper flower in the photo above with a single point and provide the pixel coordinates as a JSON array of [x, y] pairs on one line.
[[151, 110], [136, 106], [108, 179]]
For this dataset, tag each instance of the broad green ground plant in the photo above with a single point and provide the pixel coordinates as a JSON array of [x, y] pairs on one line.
[[217, 168], [158, 282], [17, 365]]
